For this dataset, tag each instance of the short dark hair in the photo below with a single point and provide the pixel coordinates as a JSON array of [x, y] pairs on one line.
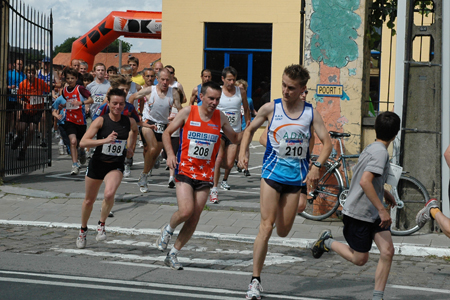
[[212, 85], [112, 69], [70, 71], [87, 77], [387, 125], [230, 70], [205, 70], [170, 67], [133, 59], [116, 92], [297, 72]]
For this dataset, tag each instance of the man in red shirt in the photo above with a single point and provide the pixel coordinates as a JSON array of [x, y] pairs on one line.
[[31, 94], [194, 165]]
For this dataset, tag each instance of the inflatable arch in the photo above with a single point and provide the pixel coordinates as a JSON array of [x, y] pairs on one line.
[[137, 24]]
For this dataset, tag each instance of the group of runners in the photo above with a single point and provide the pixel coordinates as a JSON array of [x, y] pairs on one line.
[[201, 138]]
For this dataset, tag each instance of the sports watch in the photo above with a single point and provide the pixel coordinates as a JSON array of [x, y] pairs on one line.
[[317, 164]]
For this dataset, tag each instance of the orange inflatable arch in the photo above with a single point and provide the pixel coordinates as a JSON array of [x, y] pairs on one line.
[[134, 24]]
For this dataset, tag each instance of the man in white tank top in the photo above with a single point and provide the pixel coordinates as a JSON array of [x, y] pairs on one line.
[[161, 97], [230, 104], [174, 83], [285, 164]]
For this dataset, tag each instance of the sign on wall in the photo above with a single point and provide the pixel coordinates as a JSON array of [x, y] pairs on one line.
[[329, 90]]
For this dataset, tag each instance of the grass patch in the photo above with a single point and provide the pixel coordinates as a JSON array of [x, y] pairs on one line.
[[446, 258], [206, 207]]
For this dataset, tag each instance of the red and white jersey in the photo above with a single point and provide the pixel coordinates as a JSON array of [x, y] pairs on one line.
[[74, 113], [199, 145]]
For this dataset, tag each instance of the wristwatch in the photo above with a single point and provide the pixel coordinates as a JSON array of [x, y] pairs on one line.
[[317, 164]]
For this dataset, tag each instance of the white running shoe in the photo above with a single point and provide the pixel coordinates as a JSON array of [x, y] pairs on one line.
[[254, 290], [213, 197], [61, 149], [171, 183], [127, 171], [225, 186], [140, 144], [142, 183], [163, 239], [81, 240], [75, 169], [101, 233], [172, 262]]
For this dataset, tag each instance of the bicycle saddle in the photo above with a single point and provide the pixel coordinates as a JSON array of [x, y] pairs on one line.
[[335, 134]]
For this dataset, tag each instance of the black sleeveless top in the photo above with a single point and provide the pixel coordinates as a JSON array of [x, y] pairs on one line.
[[116, 151]]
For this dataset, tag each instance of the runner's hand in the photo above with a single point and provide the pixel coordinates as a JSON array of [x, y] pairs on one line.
[[386, 220], [172, 161], [243, 161], [111, 138]]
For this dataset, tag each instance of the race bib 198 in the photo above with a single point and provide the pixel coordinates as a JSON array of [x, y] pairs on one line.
[[115, 148], [293, 148], [200, 149]]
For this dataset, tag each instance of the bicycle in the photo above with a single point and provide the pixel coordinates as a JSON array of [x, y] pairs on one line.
[[332, 190]]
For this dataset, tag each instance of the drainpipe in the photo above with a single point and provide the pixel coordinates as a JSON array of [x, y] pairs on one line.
[[445, 125]]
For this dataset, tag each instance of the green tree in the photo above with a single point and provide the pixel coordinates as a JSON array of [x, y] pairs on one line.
[[66, 46]]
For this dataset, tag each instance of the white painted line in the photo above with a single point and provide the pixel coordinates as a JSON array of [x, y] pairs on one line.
[[138, 283], [271, 258], [113, 288], [414, 288], [400, 248], [203, 270]]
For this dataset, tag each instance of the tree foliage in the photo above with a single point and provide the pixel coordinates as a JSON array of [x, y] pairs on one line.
[[386, 11], [66, 46]]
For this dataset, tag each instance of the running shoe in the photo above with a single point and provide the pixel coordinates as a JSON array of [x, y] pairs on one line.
[[157, 162], [163, 239], [171, 183], [319, 246], [246, 172], [111, 214], [213, 197], [172, 262], [101, 233], [140, 144], [82, 156], [238, 169], [81, 240], [127, 171], [142, 183], [254, 290], [424, 214], [61, 149], [225, 186], [21, 155], [75, 169]]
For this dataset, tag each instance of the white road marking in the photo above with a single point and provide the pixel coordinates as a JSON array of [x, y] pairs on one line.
[[271, 258], [415, 288], [167, 287]]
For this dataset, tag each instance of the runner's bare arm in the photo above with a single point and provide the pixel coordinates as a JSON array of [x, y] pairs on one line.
[[246, 107], [176, 99], [133, 135], [193, 96], [264, 114], [180, 87], [141, 94], [179, 120], [324, 137], [87, 141]]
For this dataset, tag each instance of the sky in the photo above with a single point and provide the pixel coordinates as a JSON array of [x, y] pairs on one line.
[[77, 17]]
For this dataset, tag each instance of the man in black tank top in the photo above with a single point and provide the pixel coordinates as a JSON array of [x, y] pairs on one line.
[[107, 163]]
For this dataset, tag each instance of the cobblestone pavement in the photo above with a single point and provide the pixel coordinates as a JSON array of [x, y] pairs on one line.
[[429, 272]]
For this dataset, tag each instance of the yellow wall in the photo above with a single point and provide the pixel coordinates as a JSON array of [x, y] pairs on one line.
[[183, 33]]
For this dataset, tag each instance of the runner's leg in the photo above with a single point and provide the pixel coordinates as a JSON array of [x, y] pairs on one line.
[[112, 181]]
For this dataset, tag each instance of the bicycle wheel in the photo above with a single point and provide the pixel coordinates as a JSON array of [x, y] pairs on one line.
[[411, 196], [326, 196]]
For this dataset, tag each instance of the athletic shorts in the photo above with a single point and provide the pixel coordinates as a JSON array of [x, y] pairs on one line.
[[30, 118], [98, 169], [226, 139], [158, 136], [359, 234], [282, 188], [72, 128], [194, 183]]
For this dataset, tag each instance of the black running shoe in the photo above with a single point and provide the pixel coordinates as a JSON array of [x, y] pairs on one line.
[[319, 246]]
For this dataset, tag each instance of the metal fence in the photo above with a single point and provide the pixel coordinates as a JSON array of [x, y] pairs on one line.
[[25, 101]]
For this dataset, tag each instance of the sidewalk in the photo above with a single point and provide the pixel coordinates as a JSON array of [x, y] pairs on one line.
[[230, 220]]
